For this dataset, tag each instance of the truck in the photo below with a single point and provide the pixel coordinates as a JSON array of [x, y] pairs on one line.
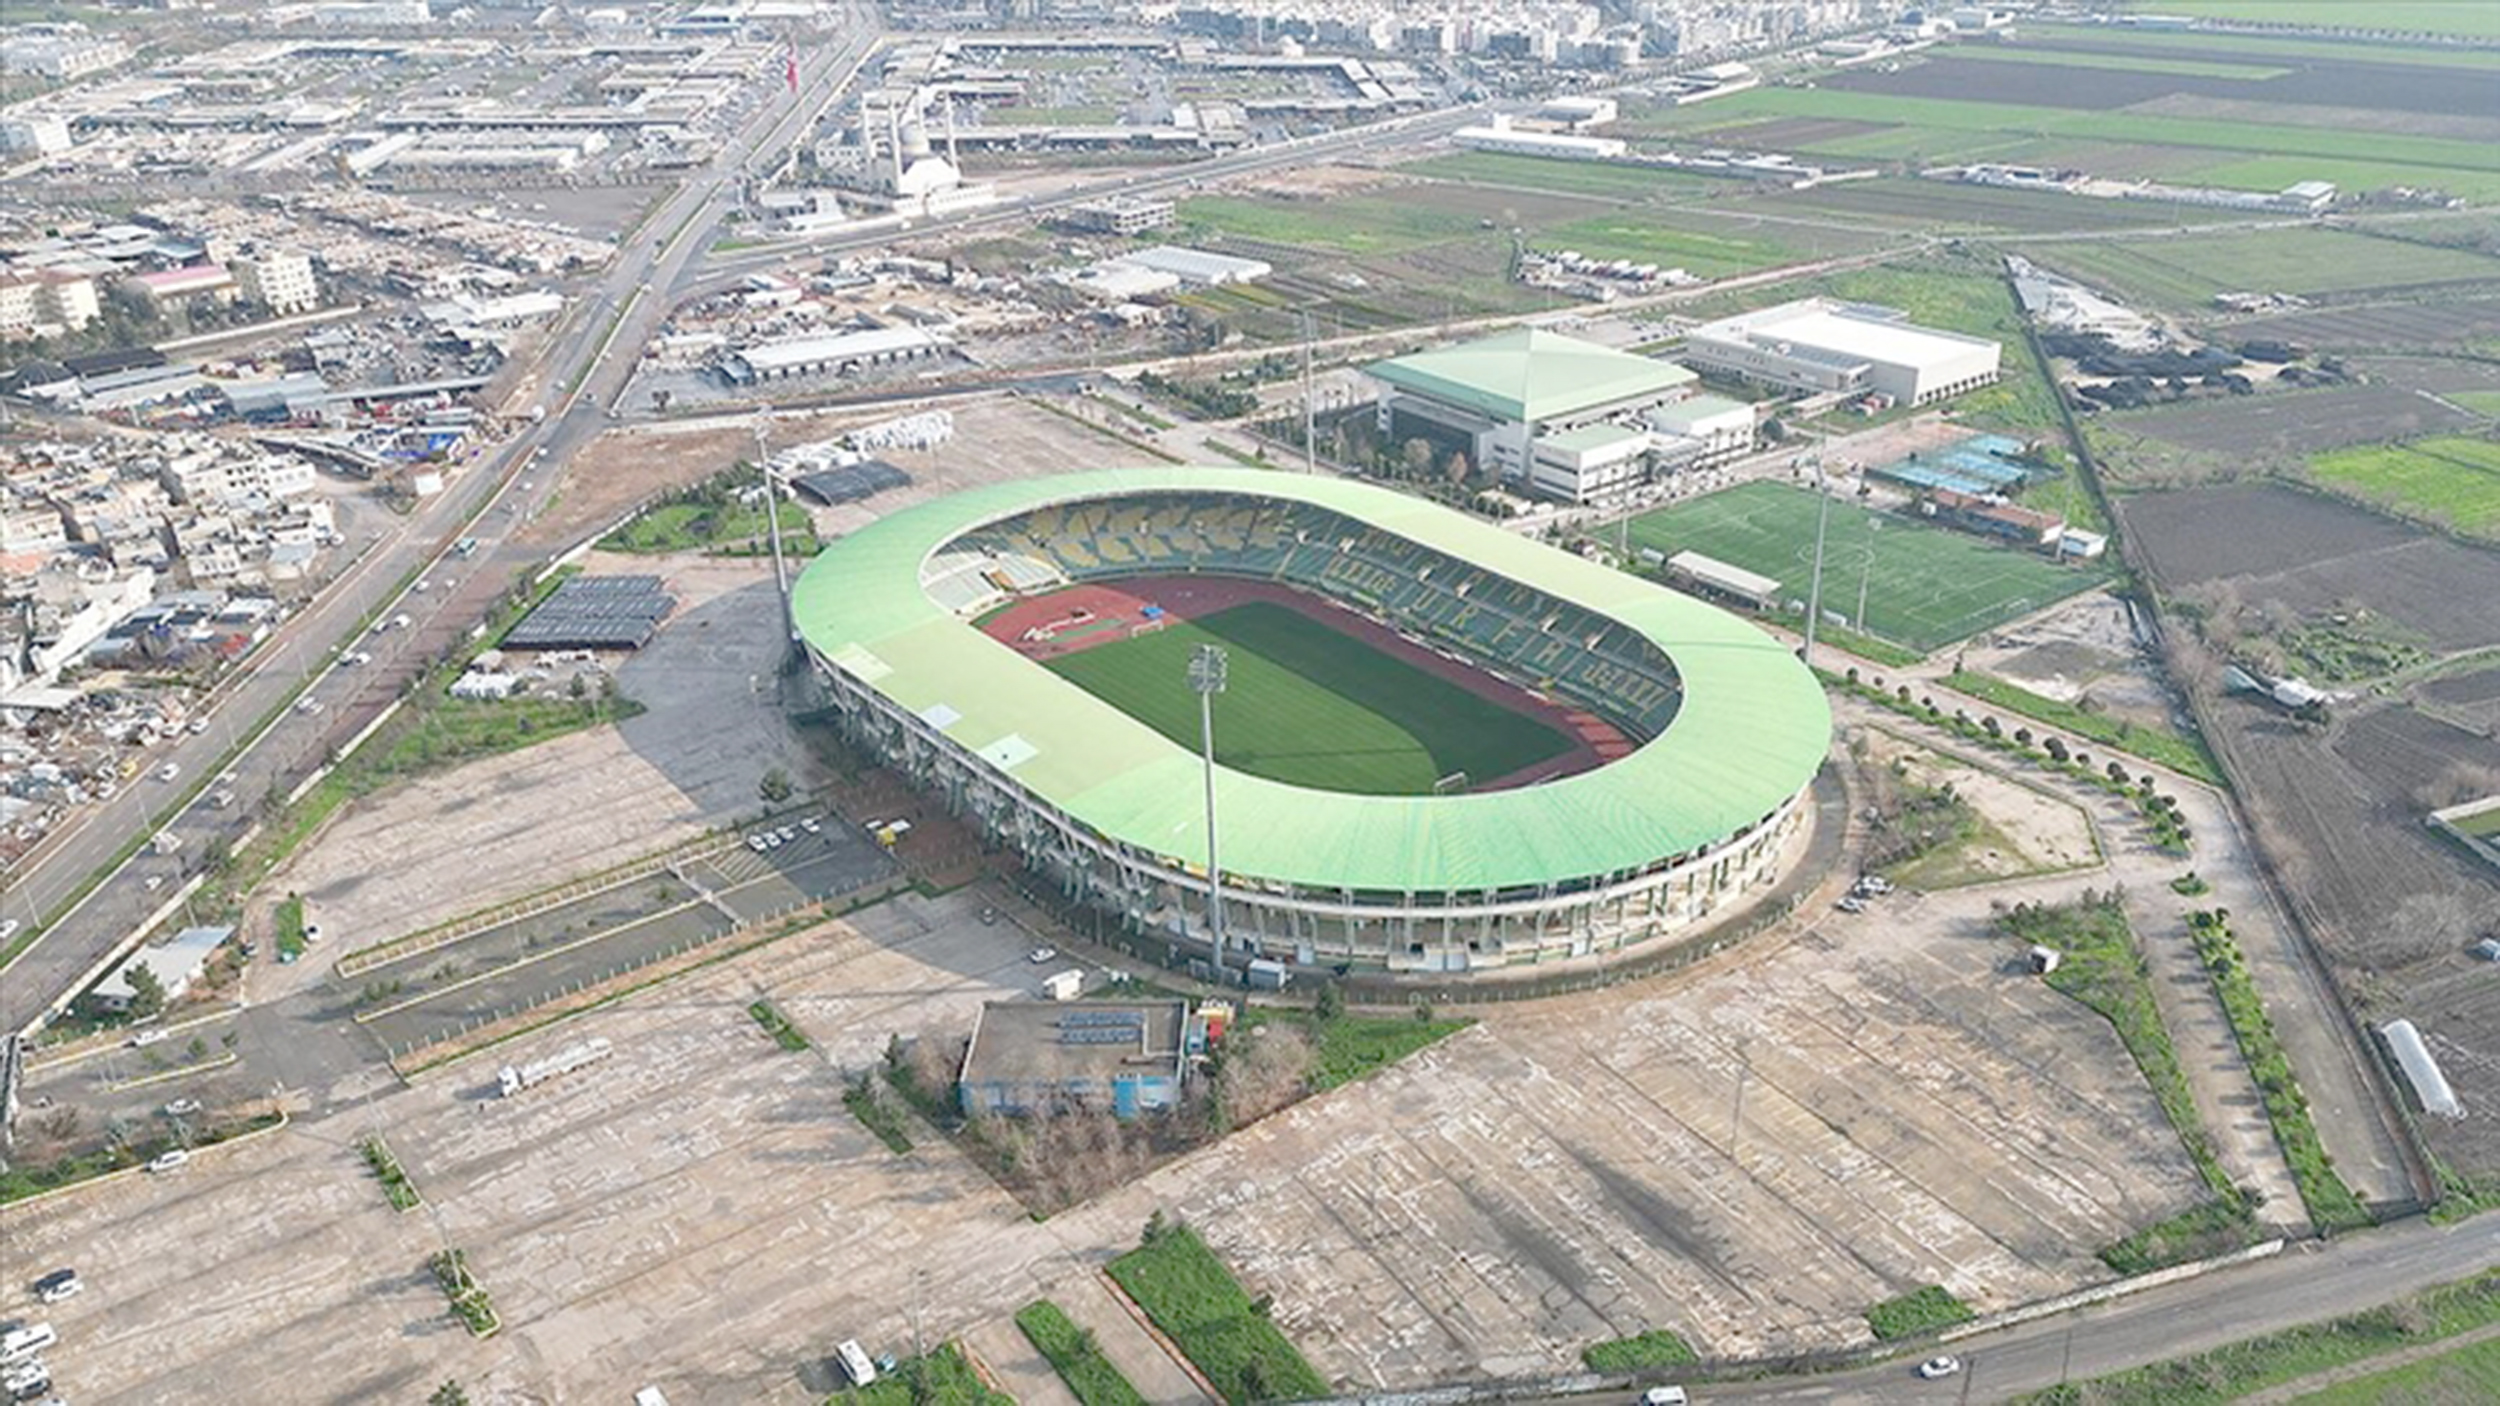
[[512, 1079]]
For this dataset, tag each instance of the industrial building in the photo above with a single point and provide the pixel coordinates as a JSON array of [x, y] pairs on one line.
[[1198, 267], [1026, 1057], [1823, 346], [839, 353], [1501, 136], [1562, 417]]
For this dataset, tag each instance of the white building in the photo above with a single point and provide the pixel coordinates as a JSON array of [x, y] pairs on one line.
[[221, 475], [278, 279], [40, 135], [61, 53], [1703, 430], [1549, 413], [176, 964], [37, 301], [1501, 137], [1824, 346], [1197, 266], [839, 354]]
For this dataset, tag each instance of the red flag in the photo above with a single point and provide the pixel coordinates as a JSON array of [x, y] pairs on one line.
[[790, 68]]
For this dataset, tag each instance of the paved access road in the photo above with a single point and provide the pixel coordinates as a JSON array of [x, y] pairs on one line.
[[2305, 1284]]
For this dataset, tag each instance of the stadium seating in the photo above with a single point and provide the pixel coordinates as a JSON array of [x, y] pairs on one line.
[[1507, 625]]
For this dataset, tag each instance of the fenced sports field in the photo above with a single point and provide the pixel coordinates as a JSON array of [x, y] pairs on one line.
[[1926, 586]]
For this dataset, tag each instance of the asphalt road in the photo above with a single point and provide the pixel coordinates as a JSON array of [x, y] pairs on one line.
[[2306, 1283], [593, 345]]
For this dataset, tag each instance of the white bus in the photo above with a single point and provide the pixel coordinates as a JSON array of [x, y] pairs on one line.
[[855, 1363]]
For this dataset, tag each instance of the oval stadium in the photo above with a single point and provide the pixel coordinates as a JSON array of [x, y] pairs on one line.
[[1441, 747]]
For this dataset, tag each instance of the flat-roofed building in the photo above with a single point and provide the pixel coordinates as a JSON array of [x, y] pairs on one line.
[[280, 280], [1826, 346], [839, 354], [1119, 214], [1033, 1057], [1550, 413]]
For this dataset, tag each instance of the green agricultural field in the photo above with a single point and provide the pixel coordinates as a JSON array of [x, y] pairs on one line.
[[2131, 63], [2429, 16], [1309, 706], [1495, 168], [1196, 1301], [2186, 272], [1945, 129], [2264, 47], [1926, 587], [2452, 481], [2480, 402], [1350, 224]]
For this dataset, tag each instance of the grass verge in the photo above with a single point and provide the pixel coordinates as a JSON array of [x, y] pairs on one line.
[[2331, 1204], [288, 920], [867, 1101], [2229, 1373], [1919, 1311], [1198, 1304], [2184, 755], [777, 1025], [469, 1302], [1655, 1348], [940, 1378], [394, 1178], [2102, 967], [1075, 1356]]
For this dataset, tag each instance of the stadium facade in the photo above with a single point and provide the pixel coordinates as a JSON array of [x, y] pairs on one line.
[[1729, 728]]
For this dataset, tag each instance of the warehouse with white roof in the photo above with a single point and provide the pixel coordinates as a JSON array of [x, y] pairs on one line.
[[1825, 346]]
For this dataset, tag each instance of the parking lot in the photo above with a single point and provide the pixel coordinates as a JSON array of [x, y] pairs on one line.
[[1750, 1157]]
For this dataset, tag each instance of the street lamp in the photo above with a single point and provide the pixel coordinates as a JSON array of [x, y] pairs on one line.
[[1207, 670]]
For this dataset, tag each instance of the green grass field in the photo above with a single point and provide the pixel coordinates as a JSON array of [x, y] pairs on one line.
[[2453, 481], [2132, 63], [1196, 1301], [2430, 16], [1928, 587], [2187, 272], [1564, 177], [1354, 224], [1309, 706], [2468, 1376], [1662, 240]]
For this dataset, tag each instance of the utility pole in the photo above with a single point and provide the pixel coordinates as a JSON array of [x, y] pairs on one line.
[[1814, 591], [1310, 435], [1207, 670], [772, 522]]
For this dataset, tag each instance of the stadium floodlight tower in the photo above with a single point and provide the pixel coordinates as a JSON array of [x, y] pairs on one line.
[[1207, 670]]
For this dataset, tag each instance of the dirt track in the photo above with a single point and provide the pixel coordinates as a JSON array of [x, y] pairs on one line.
[[1112, 610]]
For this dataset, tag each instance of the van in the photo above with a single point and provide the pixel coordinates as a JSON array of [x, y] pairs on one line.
[[18, 1344]]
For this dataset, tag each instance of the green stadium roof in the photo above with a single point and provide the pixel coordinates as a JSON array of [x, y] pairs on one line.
[[1752, 728], [1530, 375]]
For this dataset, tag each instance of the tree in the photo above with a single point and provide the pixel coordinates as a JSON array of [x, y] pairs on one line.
[[147, 994], [1331, 1002], [1417, 454], [775, 787], [1458, 470], [448, 1394]]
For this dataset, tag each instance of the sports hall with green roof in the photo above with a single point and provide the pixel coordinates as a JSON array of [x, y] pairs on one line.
[[1730, 728]]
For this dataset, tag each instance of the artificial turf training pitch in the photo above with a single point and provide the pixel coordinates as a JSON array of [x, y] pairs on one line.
[[1926, 586], [1308, 706]]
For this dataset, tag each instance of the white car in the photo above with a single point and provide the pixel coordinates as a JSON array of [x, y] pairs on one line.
[[148, 1037], [756, 843], [182, 1108], [308, 705], [168, 1161], [1040, 955], [1936, 1367], [168, 771], [811, 825], [8, 928]]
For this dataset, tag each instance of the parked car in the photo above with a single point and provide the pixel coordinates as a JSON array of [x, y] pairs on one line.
[[1664, 1396], [58, 1285], [182, 1108], [1040, 955], [1936, 1367], [1851, 904], [168, 1161], [146, 1038]]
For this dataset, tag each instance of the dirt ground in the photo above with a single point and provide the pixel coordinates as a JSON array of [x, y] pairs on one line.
[[2028, 832], [996, 438], [2084, 650]]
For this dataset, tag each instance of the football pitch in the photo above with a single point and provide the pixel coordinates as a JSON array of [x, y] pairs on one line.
[[1308, 706], [1925, 586]]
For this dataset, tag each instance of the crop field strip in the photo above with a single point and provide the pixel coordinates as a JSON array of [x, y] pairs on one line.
[[1309, 706], [2187, 271], [2453, 481], [1928, 587]]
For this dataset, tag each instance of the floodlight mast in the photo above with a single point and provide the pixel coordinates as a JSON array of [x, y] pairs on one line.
[[1208, 667]]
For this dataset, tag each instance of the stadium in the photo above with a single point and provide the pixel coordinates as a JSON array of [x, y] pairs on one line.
[[1443, 747]]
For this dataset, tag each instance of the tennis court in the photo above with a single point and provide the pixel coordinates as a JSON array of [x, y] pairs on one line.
[[1311, 706], [1925, 586]]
